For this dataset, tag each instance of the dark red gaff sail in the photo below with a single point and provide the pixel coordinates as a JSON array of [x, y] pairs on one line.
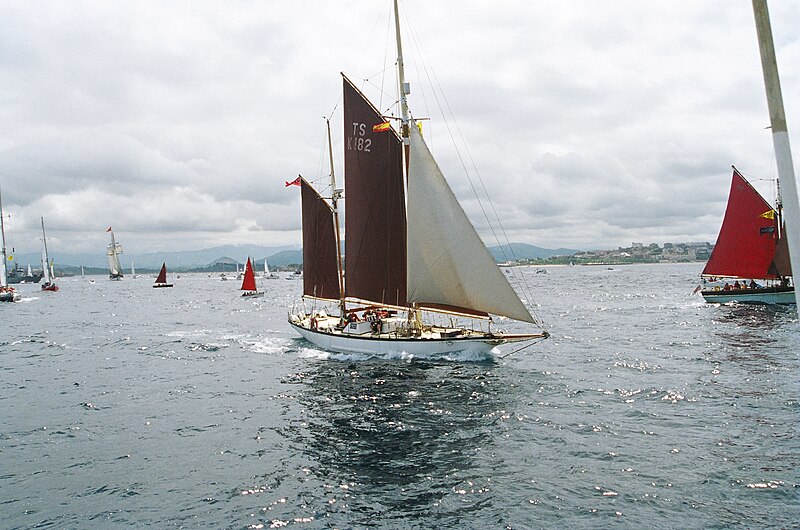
[[375, 216], [320, 269], [249, 280], [746, 243], [162, 276]]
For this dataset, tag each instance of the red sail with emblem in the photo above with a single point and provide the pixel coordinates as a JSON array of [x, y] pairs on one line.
[[375, 216], [746, 244]]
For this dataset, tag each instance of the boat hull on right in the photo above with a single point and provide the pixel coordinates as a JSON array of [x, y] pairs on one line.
[[764, 295]]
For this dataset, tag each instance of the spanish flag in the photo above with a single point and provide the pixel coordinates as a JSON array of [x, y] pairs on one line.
[[381, 127], [295, 182], [769, 214]]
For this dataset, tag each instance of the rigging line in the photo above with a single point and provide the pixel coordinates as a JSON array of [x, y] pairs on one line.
[[366, 41], [521, 280], [385, 53], [532, 343]]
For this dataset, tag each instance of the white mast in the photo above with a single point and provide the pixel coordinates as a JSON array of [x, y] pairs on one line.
[[780, 134], [405, 88], [3, 269], [45, 257], [335, 195]]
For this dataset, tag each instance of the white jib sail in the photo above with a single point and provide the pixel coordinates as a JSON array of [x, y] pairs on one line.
[[447, 261]]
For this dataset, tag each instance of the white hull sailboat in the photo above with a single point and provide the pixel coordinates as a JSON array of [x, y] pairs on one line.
[[7, 293], [47, 266], [418, 280], [113, 252], [267, 274]]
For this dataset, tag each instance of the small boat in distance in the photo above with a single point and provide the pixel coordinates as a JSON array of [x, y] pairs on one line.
[[113, 252], [161, 281], [7, 293], [47, 266], [269, 275], [750, 260], [249, 282]]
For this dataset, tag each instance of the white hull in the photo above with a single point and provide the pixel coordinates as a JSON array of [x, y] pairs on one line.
[[9, 296], [379, 346], [750, 296]]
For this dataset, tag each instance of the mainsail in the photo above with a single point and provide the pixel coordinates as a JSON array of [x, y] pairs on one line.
[[320, 271], [162, 275], [249, 280], [747, 241], [375, 219]]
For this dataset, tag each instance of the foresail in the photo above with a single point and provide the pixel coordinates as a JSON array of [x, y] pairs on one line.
[[447, 261], [375, 221], [320, 271], [249, 280], [747, 239], [781, 264]]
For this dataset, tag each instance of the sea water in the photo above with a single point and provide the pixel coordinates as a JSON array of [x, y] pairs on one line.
[[124, 406]]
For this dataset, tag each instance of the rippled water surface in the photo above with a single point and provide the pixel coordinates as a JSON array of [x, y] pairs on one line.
[[124, 405]]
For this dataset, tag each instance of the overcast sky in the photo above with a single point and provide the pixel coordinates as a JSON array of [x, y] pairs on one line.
[[591, 124]]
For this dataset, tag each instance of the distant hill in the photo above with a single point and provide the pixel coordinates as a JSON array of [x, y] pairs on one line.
[[152, 260], [284, 258], [227, 256], [520, 251]]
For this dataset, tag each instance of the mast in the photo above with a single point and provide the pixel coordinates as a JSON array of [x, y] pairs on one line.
[[46, 264], [780, 133], [405, 88], [334, 200], [3, 269]]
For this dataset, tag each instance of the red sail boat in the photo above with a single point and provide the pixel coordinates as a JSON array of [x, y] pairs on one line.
[[750, 260], [249, 282], [161, 281], [419, 280]]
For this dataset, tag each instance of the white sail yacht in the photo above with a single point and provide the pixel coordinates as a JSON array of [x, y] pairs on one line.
[[416, 269]]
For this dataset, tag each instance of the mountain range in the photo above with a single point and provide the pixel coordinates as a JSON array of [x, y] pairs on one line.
[[280, 256]]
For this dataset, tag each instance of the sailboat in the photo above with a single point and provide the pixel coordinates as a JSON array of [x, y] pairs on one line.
[[753, 242], [161, 280], [269, 275], [114, 267], [7, 293], [415, 266], [47, 266], [750, 261], [249, 282], [133, 270]]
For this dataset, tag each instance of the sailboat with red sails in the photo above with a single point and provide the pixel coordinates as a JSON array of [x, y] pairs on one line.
[[419, 280], [750, 260], [249, 288], [161, 280]]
